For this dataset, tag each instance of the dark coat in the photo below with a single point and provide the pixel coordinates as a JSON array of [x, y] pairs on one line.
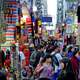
[[2, 76]]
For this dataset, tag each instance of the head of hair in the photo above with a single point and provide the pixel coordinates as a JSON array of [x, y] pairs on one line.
[[55, 47], [43, 79], [76, 50], [31, 70], [64, 48], [65, 61], [69, 49], [13, 47], [8, 52], [46, 57]]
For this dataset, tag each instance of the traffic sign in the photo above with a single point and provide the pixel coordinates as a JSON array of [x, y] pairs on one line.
[[69, 20]]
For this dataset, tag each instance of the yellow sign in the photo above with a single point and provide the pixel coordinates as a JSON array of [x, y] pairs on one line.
[[39, 22]]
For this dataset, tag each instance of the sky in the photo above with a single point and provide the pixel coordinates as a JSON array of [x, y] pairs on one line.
[[52, 9]]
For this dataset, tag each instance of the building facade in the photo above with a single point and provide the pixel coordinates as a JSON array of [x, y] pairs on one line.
[[60, 9], [12, 16], [41, 7], [64, 7]]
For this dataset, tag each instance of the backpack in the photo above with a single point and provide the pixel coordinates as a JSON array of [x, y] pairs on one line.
[[55, 61], [55, 58]]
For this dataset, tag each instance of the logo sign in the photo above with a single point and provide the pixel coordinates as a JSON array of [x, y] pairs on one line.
[[69, 20], [28, 21]]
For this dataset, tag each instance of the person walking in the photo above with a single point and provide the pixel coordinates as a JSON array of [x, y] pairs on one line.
[[65, 70], [75, 60], [40, 55], [33, 58], [47, 71], [2, 76], [70, 52]]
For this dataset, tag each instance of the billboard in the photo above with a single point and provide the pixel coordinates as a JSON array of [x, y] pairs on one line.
[[43, 19], [28, 21], [46, 19]]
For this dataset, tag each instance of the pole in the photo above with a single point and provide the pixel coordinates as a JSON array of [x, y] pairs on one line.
[[31, 14], [19, 77]]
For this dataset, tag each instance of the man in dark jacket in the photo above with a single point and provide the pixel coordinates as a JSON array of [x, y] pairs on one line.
[[2, 76], [40, 55], [33, 58]]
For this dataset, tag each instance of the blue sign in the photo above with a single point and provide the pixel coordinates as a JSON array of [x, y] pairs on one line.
[[69, 20], [43, 19], [46, 19], [11, 0]]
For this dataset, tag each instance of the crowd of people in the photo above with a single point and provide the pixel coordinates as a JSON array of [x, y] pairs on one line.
[[47, 61]]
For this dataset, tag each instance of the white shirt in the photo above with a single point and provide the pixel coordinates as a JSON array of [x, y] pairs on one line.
[[22, 56], [58, 56]]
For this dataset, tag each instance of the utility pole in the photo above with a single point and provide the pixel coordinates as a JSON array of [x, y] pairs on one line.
[[18, 61]]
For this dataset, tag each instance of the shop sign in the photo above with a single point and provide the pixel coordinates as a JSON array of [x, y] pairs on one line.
[[28, 21]]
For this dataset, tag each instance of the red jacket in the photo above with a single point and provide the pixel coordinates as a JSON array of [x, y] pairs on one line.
[[7, 61], [27, 56], [75, 65]]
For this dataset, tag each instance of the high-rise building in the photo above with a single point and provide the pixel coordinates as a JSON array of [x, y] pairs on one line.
[[41, 7], [70, 11], [64, 7], [59, 11], [28, 2]]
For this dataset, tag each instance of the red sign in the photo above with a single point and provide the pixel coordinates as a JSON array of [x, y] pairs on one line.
[[28, 21]]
